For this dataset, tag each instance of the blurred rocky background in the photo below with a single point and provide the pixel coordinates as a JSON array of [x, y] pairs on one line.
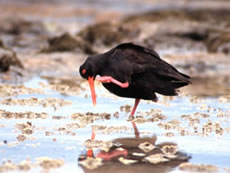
[[40, 37]]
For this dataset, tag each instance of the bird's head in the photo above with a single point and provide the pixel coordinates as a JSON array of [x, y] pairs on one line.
[[88, 71]]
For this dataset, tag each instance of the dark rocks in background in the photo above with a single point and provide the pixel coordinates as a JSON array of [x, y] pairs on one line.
[[185, 29], [153, 16], [23, 35], [194, 29], [17, 26], [170, 31], [107, 34], [167, 41], [66, 42], [219, 42], [194, 35], [7, 60], [176, 37], [200, 15], [1, 44]]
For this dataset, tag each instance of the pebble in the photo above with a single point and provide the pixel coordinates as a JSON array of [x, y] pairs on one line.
[[91, 163], [198, 167], [15, 90], [156, 158], [127, 161], [47, 102], [146, 147], [48, 163]]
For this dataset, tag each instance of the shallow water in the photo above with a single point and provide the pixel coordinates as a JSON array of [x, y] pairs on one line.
[[59, 136]]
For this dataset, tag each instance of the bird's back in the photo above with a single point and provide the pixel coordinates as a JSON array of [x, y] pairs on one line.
[[144, 70]]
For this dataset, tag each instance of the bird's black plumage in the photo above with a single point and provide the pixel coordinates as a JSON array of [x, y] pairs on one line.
[[141, 67]]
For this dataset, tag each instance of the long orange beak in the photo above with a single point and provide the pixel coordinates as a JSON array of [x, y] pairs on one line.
[[92, 89]]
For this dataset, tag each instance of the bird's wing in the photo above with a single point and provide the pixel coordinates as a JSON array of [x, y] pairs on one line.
[[133, 62], [146, 60]]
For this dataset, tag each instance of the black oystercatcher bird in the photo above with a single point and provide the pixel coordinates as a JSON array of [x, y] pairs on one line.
[[130, 70]]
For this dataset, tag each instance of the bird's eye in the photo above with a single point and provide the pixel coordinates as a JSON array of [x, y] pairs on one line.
[[83, 71]]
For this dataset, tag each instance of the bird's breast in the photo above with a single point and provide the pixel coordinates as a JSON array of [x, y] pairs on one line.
[[130, 92]]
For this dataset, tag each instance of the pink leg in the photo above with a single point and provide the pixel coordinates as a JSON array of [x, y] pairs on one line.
[[137, 134], [109, 79], [137, 101]]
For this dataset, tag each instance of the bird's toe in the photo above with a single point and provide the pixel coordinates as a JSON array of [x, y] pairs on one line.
[[155, 99]]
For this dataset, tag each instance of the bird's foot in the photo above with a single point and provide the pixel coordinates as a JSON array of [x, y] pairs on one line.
[[155, 99], [109, 79]]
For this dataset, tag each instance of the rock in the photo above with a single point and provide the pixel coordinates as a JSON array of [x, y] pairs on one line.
[[91, 163], [7, 60], [173, 40], [219, 42], [203, 29], [49, 163], [16, 26], [8, 166], [213, 16], [66, 42], [25, 165], [1, 44], [189, 167], [192, 36], [107, 33], [21, 138], [23, 34]]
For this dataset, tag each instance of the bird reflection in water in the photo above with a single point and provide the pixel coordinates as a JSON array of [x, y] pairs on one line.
[[128, 155]]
